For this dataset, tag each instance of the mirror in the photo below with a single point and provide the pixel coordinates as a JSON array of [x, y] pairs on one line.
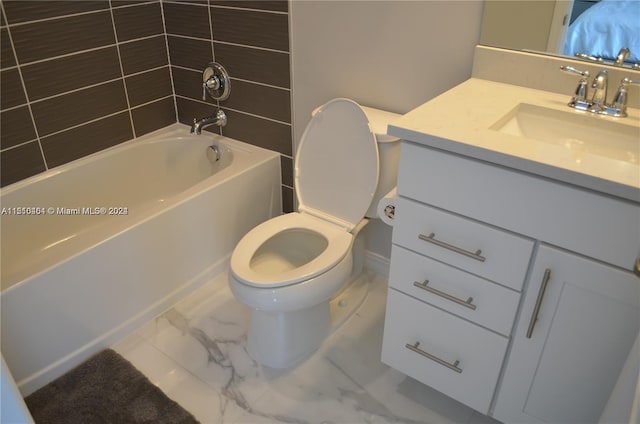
[[595, 29]]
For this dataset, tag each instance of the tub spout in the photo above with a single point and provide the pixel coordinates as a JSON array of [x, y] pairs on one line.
[[219, 119]]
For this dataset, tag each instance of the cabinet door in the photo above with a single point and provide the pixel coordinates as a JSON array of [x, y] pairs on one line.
[[564, 366]]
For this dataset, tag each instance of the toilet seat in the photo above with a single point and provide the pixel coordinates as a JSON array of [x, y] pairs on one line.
[[337, 164], [338, 244]]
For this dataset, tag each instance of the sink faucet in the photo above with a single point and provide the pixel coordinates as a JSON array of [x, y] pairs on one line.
[[219, 119], [598, 103], [600, 84]]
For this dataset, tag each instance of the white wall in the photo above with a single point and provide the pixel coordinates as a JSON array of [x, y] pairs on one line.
[[393, 55]]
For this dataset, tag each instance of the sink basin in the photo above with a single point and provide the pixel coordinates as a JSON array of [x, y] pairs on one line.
[[579, 132]]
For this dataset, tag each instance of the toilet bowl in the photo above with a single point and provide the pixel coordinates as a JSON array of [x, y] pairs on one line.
[[288, 269]]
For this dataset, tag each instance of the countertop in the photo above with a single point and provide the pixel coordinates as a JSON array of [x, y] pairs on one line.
[[460, 120]]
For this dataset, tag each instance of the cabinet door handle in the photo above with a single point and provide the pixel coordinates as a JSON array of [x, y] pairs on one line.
[[473, 255], [637, 267], [536, 308], [414, 347], [466, 303]]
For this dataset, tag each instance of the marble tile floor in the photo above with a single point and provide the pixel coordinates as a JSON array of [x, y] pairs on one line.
[[196, 353]]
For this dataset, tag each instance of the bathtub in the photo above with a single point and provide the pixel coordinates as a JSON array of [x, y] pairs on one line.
[[93, 249]]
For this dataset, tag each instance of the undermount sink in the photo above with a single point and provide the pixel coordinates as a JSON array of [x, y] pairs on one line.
[[578, 132]]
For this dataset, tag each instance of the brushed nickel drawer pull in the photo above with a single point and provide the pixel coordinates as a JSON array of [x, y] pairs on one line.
[[466, 303], [414, 347], [536, 308], [473, 255]]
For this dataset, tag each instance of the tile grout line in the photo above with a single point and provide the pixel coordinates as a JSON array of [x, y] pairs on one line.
[[247, 46], [166, 45], [79, 52], [248, 9], [235, 110], [97, 84], [238, 79], [72, 15], [124, 83], [24, 89], [91, 121]]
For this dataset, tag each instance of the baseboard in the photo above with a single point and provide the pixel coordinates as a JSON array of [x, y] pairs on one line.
[[377, 263]]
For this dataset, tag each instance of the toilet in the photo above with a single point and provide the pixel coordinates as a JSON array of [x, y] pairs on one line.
[[296, 271]]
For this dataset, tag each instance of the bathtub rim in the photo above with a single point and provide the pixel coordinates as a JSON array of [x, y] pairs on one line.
[[177, 130]]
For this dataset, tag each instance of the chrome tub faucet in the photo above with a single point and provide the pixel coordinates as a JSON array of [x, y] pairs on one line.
[[220, 119], [215, 82]]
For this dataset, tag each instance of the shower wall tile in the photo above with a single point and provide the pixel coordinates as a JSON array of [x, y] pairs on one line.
[[189, 52], [257, 99], [149, 86], [84, 140], [58, 113], [286, 165], [262, 66], [277, 6], [55, 37], [188, 83], [11, 89], [154, 116], [189, 109], [71, 66], [187, 19], [7, 58], [57, 76], [120, 3], [140, 55], [251, 28], [20, 11], [16, 126], [259, 132], [20, 163], [287, 199], [138, 21]]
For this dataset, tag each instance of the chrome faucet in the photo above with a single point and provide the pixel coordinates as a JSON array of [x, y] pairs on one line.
[[220, 119], [598, 103], [600, 85], [217, 84]]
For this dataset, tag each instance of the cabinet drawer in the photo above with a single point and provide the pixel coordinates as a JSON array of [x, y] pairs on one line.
[[503, 257], [575, 219], [491, 305], [449, 339]]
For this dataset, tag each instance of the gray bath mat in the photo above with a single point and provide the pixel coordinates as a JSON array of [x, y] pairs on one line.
[[104, 389]]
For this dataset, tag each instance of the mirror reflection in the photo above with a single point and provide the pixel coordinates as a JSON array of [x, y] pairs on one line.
[[607, 31]]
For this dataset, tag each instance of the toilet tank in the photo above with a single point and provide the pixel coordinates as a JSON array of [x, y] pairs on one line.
[[389, 154]]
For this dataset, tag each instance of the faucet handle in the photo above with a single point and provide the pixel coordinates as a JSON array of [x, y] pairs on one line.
[[579, 99], [574, 71], [619, 104]]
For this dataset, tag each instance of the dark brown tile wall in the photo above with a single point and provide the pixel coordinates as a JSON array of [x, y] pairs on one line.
[[251, 40], [106, 71], [77, 77]]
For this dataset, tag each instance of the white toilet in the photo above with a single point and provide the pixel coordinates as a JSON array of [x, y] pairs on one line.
[[289, 269]]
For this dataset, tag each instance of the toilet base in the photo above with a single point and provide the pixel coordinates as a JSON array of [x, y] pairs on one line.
[[284, 339]]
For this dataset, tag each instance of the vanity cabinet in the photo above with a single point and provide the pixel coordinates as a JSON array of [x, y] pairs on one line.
[[473, 245], [578, 322]]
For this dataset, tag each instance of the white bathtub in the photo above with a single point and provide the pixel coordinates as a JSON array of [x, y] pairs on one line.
[[94, 248]]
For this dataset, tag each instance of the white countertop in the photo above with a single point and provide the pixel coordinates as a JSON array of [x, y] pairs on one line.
[[459, 121]]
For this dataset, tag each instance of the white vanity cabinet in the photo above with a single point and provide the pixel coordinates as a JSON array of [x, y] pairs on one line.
[[577, 324], [472, 244]]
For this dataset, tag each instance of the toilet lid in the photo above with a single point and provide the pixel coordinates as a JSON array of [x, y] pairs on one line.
[[336, 171]]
